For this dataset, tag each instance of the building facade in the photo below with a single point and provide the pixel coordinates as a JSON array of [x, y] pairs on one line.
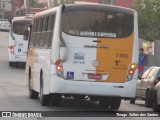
[[11, 8], [5, 8], [23, 7], [123, 3]]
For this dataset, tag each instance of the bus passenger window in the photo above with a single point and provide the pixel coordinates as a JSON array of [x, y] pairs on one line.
[[94, 23], [49, 32], [41, 34], [37, 33]]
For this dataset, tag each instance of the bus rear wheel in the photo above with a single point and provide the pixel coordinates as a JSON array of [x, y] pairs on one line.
[[109, 102], [56, 99], [11, 64], [103, 103], [115, 103], [44, 99]]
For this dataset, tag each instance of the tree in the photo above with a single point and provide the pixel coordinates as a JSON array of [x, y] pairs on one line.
[[148, 19]]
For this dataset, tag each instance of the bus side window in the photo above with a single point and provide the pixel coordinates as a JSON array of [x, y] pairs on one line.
[[33, 36], [42, 33], [46, 31], [37, 32], [52, 30], [49, 32]]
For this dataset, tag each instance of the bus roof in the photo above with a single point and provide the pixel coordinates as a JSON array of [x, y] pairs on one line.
[[88, 7], [22, 18], [100, 7]]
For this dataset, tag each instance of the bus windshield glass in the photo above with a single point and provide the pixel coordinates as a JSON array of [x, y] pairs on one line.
[[19, 27], [88, 23]]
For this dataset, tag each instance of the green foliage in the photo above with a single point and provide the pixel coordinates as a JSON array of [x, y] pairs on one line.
[[149, 16], [61, 2], [35, 4]]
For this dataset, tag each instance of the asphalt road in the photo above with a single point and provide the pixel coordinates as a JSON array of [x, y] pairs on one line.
[[14, 94]]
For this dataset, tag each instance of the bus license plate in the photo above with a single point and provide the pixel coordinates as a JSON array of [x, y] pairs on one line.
[[94, 76]]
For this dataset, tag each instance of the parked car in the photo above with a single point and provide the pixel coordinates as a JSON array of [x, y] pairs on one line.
[[4, 25], [156, 96], [146, 85]]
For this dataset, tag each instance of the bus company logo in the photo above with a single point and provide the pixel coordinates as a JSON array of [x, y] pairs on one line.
[[95, 63], [79, 56]]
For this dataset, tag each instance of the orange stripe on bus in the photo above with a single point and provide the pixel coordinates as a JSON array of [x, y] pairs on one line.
[[115, 59]]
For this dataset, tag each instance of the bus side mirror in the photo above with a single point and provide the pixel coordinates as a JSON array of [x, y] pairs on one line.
[[26, 35], [63, 53]]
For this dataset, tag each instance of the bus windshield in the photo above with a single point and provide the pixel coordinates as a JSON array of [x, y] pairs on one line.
[[20, 27], [89, 23]]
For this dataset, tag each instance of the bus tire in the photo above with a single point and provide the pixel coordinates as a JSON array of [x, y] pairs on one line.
[[103, 103], [32, 94], [11, 64], [155, 106], [115, 103], [132, 101], [56, 99], [149, 98], [44, 99]]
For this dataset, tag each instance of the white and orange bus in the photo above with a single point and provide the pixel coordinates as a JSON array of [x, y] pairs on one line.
[[83, 50]]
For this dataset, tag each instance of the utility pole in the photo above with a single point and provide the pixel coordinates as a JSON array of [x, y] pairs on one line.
[[0, 8], [14, 2], [27, 6], [3, 6], [49, 4]]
